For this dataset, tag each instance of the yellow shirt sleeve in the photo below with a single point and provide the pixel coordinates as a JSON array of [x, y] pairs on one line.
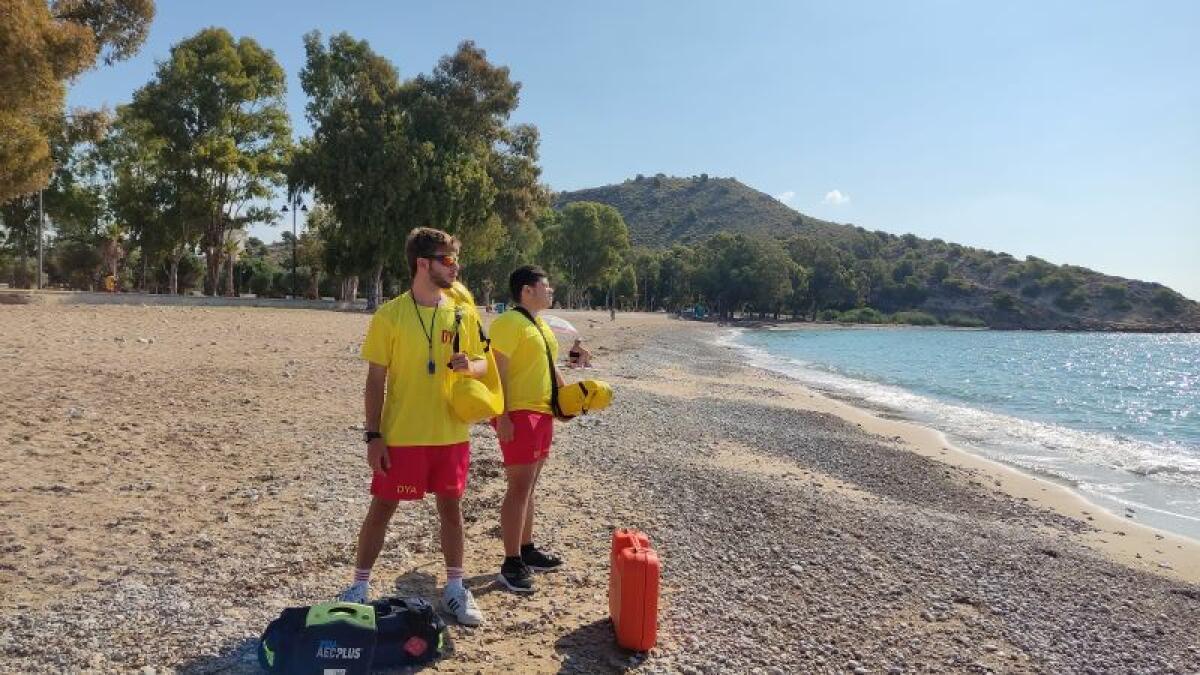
[[377, 348], [506, 335]]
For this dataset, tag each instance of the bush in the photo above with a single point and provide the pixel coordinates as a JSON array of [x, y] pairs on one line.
[[1167, 300], [261, 283], [20, 273], [1060, 281], [861, 315], [1004, 302], [915, 318], [282, 286], [1012, 279], [1114, 292], [827, 315], [1071, 300], [1032, 289], [965, 321], [957, 285]]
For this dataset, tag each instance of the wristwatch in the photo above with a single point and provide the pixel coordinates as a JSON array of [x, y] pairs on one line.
[[369, 436]]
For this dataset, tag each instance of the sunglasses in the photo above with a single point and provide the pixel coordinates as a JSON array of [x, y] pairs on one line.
[[445, 260]]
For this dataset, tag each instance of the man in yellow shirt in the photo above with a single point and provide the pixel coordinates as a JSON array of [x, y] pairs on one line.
[[414, 442], [525, 350]]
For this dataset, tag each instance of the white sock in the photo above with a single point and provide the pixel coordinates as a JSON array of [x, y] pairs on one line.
[[454, 577]]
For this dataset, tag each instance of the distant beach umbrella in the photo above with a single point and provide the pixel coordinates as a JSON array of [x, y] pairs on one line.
[[560, 325]]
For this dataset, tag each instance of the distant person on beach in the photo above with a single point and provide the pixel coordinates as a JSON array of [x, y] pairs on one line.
[[525, 350], [414, 443], [579, 356]]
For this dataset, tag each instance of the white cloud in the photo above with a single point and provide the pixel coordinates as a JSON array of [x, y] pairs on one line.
[[786, 196], [836, 198]]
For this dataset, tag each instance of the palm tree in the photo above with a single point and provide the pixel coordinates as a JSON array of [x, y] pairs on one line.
[[235, 242]]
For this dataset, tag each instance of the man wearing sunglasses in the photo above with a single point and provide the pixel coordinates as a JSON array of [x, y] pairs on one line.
[[414, 443]]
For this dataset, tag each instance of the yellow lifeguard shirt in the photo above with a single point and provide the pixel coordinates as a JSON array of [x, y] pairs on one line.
[[528, 386], [416, 408]]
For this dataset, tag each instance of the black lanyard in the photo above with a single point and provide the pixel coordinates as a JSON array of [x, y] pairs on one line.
[[432, 327]]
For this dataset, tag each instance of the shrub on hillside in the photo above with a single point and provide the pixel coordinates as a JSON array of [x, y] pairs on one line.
[[915, 318], [861, 315], [1004, 302], [957, 285], [965, 321], [1114, 292], [1167, 300], [1071, 300]]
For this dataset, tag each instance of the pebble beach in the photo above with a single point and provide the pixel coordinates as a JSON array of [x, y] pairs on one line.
[[175, 476]]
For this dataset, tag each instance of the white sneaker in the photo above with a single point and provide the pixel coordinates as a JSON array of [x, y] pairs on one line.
[[357, 592], [461, 604]]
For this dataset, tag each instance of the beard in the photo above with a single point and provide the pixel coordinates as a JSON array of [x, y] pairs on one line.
[[442, 280]]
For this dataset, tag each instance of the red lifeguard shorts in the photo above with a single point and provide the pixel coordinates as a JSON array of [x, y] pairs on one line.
[[532, 434], [417, 469]]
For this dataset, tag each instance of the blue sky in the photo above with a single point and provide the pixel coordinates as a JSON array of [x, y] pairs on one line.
[[1066, 130]]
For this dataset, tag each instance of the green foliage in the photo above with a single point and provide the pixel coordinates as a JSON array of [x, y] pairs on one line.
[[388, 156], [861, 315], [1115, 293], [914, 318], [939, 271], [1071, 300], [1061, 281], [1032, 289], [1167, 300], [964, 321], [586, 242], [1004, 302], [957, 286], [664, 210], [215, 119], [44, 45]]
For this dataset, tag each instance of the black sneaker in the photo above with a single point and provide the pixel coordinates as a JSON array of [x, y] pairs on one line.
[[539, 560], [516, 577]]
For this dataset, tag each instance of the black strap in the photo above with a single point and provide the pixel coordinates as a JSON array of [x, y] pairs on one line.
[[549, 361], [458, 315]]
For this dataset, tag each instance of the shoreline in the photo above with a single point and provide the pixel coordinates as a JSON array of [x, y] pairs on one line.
[[1131, 543]]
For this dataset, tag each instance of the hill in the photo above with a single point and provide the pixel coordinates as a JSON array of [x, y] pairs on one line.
[[662, 210], [951, 282]]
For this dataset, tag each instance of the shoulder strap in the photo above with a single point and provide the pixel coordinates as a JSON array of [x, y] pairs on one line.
[[549, 361], [483, 338]]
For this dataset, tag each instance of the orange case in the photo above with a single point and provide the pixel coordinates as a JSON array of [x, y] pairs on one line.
[[633, 590]]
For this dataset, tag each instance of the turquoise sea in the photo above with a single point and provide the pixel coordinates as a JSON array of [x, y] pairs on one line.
[[1114, 415]]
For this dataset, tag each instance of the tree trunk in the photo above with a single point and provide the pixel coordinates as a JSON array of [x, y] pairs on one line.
[[213, 263], [376, 296], [174, 275], [230, 286], [349, 289], [314, 286], [22, 264]]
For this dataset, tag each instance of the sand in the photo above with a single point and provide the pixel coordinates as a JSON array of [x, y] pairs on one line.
[[200, 468]]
